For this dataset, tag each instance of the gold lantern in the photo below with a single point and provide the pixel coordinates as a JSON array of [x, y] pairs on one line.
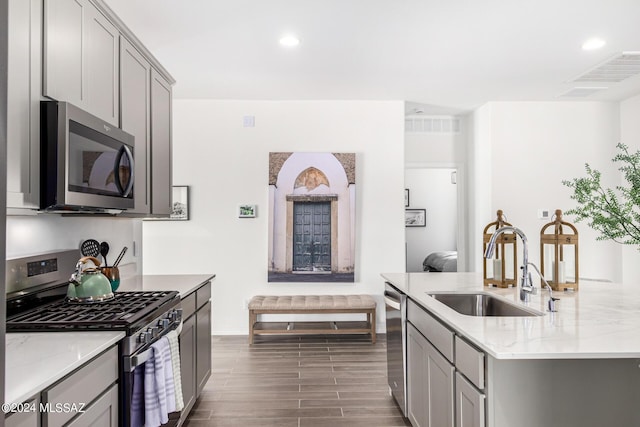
[[501, 269], [559, 254]]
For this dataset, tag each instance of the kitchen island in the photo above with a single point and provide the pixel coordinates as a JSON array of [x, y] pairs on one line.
[[576, 367]]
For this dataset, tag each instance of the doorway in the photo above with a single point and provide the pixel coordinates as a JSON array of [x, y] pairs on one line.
[[439, 244], [312, 237]]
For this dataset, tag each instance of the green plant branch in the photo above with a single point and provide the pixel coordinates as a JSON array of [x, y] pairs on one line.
[[615, 216]]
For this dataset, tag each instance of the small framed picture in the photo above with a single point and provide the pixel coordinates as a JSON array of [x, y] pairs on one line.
[[247, 211], [415, 217], [406, 197], [180, 202]]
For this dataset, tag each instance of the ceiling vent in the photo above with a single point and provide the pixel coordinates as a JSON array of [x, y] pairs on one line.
[[619, 67], [582, 92], [432, 124]]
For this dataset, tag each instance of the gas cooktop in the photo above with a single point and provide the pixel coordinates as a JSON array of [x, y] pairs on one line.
[[120, 313]]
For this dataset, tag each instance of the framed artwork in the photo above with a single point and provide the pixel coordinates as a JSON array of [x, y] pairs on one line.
[[247, 211], [415, 217], [312, 217], [180, 202], [406, 197]]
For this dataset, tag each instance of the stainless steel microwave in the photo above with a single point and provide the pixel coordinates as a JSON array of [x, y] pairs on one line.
[[86, 164]]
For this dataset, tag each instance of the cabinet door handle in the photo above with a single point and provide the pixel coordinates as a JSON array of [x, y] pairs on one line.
[[391, 303]]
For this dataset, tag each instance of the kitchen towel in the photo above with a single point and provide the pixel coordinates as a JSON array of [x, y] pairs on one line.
[[174, 346], [137, 397], [168, 375], [155, 385]]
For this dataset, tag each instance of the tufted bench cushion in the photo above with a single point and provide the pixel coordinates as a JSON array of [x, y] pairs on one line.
[[311, 304]]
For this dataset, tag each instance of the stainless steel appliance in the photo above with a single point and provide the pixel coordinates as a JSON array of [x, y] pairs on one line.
[[86, 163], [396, 313], [36, 288]]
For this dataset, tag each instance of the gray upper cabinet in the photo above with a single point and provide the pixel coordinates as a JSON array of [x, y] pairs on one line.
[[135, 118], [80, 52], [161, 169], [81, 56], [23, 103]]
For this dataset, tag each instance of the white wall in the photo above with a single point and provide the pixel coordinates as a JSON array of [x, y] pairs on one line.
[[437, 147], [29, 235], [226, 165], [630, 135], [534, 146], [431, 189]]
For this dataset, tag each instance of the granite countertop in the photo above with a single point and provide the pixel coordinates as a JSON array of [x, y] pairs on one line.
[[34, 361], [600, 320], [183, 283]]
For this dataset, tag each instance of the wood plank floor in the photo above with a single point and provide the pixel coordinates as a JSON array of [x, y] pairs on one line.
[[297, 381]]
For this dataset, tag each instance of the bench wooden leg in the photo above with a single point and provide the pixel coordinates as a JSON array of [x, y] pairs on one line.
[[372, 318], [252, 322]]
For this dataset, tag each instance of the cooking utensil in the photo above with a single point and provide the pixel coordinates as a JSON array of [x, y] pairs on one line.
[[90, 247], [88, 285], [104, 250], [120, 256]]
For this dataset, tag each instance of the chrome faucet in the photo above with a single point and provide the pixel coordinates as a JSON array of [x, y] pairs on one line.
[[551, 304], [526, 284]]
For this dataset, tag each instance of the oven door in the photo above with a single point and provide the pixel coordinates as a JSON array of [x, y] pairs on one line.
[[132, 378]]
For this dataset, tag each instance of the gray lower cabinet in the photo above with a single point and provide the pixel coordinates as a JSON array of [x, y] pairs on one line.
[[446, 375], [188, 363], [30, 418], [195, 345], [87, 397], [102, 413], [24, 66], [203, 338], [469, 404], [430, 383], [90, 388], [81, 57]]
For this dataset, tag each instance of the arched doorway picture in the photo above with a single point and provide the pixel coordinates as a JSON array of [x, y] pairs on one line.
[[312, 217]]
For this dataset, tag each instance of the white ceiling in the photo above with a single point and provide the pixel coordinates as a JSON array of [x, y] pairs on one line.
[[449, 56]]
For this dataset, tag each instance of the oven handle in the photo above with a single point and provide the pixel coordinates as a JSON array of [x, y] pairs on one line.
[[132, 362]]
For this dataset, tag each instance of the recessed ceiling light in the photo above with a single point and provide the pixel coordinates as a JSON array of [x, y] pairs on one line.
[[289, 40], [593, 44]]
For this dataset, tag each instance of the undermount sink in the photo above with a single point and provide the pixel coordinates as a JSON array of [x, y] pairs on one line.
[[482, 304]]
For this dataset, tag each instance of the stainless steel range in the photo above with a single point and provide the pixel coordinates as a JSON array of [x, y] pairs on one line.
[[36, 289]]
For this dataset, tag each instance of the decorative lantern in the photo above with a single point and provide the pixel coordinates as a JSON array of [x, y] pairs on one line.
[[559, 254], [500, 270]]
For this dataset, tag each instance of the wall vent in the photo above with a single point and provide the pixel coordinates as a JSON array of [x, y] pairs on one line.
[[432, 124], [582, 92], [619, 67]]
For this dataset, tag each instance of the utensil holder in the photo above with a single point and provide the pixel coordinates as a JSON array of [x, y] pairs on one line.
[[113, 274]]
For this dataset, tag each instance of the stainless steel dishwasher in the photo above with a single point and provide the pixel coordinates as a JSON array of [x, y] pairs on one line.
[[396, 313]]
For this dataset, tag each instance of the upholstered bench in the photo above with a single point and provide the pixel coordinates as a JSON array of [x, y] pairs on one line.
[[312, 304]]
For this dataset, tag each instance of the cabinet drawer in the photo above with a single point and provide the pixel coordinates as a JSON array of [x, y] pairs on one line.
[[438, 334], [203, 295], [470, 362], [81, 387], [188, 304]]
